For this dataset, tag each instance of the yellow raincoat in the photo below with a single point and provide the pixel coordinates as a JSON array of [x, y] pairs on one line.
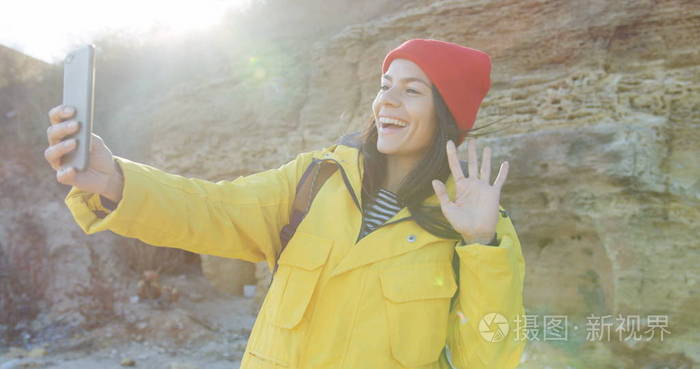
[[380, 303]]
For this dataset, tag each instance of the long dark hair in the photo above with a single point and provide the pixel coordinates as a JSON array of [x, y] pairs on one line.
[[417, 185]]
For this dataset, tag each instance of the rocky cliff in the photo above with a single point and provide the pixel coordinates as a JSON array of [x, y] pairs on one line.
[[598, 110]]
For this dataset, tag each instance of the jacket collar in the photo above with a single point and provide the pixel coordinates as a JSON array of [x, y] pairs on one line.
[[349, 158]]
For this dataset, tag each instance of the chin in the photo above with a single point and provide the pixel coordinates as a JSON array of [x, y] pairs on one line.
[[399, 148], [387, 148]]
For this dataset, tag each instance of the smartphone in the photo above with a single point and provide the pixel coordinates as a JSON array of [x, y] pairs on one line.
[[78, 92]]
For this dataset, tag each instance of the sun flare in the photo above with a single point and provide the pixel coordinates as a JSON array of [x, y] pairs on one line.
[[49, 33]]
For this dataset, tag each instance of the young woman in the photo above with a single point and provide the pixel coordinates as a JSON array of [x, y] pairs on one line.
[[368, 279]]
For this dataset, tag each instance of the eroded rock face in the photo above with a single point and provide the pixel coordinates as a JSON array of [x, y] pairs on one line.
[[599, 103], [600, 108], [228, 275]]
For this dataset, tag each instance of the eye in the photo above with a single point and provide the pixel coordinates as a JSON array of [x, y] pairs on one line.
[[410, 89]]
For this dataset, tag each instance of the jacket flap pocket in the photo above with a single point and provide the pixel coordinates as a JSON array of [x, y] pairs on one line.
[[306, 251], [418, 282]]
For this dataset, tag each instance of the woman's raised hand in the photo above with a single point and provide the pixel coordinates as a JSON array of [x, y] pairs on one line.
[[474, 211], [101, 176]]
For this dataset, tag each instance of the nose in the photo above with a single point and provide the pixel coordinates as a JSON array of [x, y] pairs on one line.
[[387, 97]]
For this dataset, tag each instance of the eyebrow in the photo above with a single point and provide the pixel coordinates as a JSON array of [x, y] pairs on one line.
[[408, 79]]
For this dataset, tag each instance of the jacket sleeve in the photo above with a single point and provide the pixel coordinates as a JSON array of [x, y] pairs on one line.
[[490, 281], [235, 219]]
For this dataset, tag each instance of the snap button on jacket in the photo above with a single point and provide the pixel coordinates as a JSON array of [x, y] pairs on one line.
[[382, 302]]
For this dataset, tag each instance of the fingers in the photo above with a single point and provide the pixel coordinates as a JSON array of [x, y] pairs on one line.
[[486, 165], [441, 192], [471, 159], [502, 175], [60, 113], [66, 176], [54, 153], [472, 162], [58, 131], [453, 161]]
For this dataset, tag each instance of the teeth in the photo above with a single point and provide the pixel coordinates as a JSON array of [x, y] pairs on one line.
[[392, 121]]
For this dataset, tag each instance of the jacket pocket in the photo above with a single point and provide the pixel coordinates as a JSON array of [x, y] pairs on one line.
[[417, 299], [275, 337], [300, 267]]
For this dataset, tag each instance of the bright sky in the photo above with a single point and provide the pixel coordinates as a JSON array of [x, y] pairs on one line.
[[47, 29]]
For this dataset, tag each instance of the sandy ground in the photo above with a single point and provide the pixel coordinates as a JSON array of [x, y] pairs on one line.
[[204, 329]]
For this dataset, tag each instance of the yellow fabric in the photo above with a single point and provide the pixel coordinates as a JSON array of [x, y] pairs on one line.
[[380, 303]]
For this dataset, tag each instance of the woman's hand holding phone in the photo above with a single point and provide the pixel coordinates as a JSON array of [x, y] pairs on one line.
[[101, 176]]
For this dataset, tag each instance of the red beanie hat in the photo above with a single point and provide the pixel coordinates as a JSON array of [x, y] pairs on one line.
[[461, 74]]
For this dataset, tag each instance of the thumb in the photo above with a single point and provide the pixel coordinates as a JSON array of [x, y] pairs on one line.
[[441, 192]]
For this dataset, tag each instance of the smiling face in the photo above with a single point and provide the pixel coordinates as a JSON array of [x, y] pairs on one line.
[[403, 110]]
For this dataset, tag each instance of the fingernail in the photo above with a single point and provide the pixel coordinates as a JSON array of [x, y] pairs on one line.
[[70, 142], [67, 109], [72, 124]]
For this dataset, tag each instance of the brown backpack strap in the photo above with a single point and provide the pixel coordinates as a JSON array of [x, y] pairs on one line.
[[310, 183]]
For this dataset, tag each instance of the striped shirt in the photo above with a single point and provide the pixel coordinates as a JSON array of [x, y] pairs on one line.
[[380, 208]]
